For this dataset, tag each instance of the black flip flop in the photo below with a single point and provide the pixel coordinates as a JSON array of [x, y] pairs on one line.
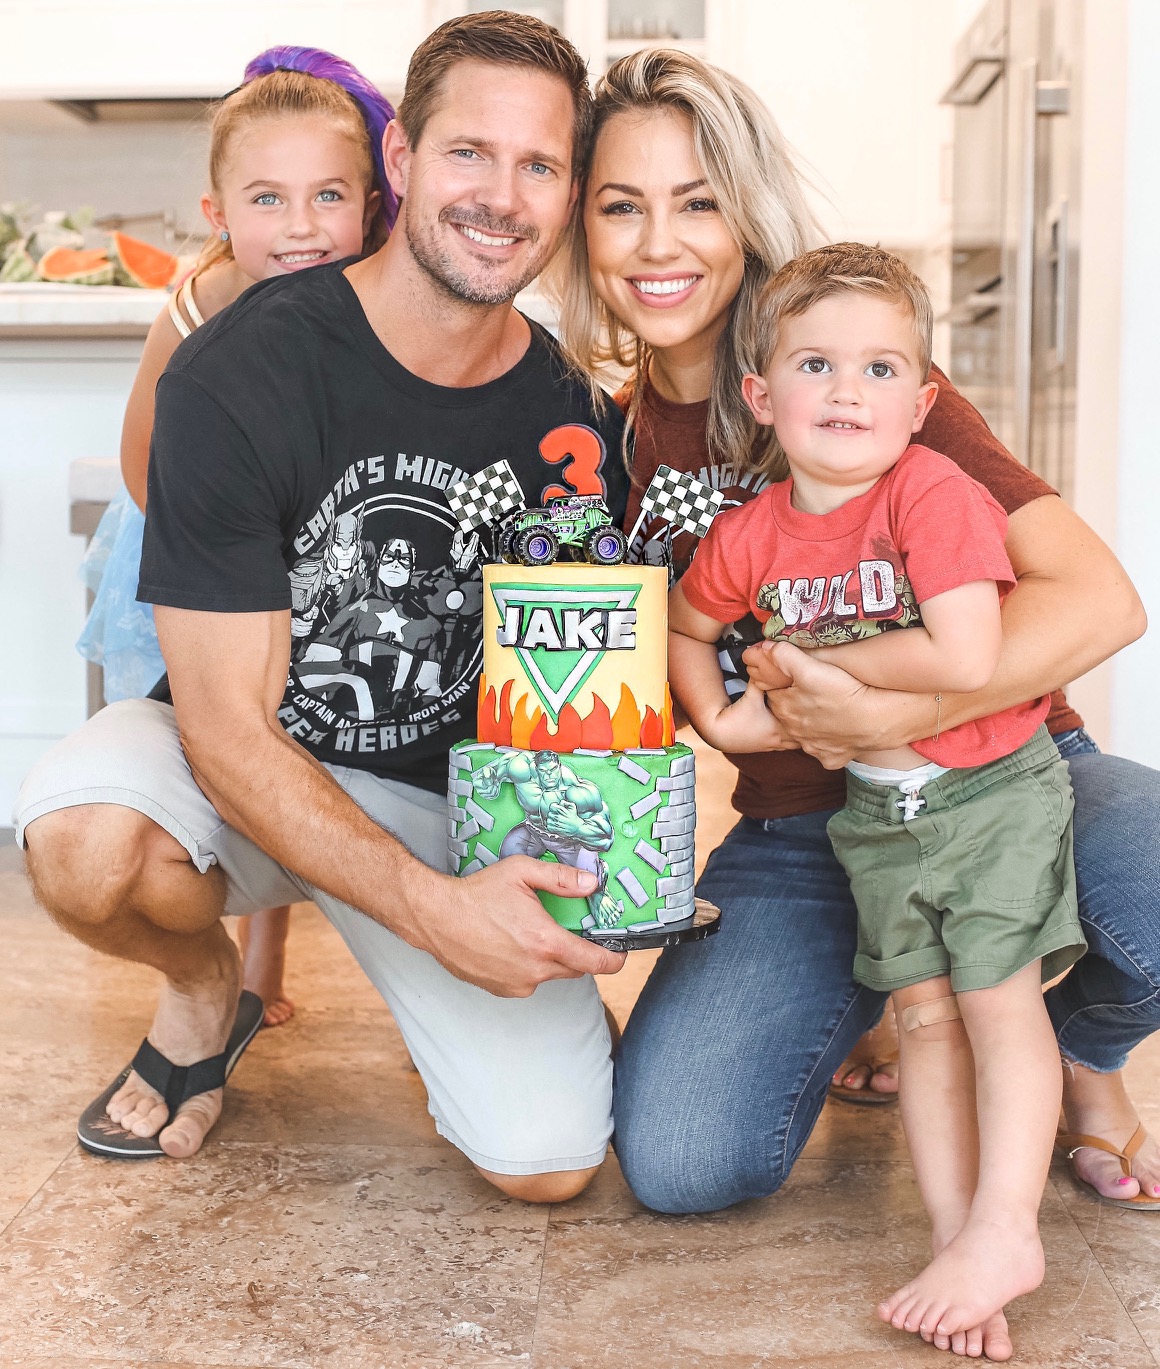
[[97, 1131]]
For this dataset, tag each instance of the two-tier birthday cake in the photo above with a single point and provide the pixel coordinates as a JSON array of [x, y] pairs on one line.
[[575, 758]]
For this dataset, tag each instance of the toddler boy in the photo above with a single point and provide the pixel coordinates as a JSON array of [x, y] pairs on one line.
[[888, 560]]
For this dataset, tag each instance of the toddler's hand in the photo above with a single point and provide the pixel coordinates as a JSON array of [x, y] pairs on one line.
[[764, 671], [746, 725]]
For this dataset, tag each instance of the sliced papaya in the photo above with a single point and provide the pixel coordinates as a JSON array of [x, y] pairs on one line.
[[140, 263], [86, 266]]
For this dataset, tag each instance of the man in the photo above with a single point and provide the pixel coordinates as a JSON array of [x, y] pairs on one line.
[[362, 389]]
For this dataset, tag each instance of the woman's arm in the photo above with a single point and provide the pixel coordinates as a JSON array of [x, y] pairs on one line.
[[1073, 606]]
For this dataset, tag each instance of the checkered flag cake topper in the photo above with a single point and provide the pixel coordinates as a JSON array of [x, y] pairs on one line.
[[683, 500], [486, 496]]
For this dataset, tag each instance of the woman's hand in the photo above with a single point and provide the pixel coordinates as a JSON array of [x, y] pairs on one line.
[[828, 713]]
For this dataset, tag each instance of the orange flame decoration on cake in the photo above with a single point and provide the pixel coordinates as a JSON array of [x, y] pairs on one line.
[[502, 725]]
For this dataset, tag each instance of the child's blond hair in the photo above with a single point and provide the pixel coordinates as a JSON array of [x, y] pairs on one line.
[[840, 268]]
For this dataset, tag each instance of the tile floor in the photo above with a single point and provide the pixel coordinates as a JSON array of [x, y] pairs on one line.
[[326, 1223]]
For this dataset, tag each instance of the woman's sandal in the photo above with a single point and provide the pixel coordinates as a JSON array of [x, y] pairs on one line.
[[1068, 1143], [872, 1050]]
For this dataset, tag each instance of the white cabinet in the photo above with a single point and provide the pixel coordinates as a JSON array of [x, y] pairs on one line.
[[67, 361], [85, 49]]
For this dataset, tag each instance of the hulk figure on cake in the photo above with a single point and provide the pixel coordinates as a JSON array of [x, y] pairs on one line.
[[566, 818]]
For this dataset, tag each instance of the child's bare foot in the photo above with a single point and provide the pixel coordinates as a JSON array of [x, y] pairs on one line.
[[992, 1338], [963, 1287], [263, 941]]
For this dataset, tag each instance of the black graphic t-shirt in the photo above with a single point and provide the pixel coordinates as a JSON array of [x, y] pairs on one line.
[[295, 464]]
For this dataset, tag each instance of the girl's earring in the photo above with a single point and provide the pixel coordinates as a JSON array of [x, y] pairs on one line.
[[225, 236]]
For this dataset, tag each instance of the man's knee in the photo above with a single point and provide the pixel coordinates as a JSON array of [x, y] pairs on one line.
[[86, 862], [558, 1187]]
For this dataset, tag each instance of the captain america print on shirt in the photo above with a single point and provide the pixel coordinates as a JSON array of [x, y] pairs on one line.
[[387, 598]]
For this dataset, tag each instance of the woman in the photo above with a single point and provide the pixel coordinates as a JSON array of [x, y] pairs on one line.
[[691, 201]]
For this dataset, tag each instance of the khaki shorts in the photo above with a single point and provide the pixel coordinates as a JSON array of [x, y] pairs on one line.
[[979, 884], [521, 1086]]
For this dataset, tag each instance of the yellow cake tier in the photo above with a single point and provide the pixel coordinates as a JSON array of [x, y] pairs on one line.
[[575, 656]]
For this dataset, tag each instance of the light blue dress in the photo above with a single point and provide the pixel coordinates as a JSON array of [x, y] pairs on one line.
[[119, 634]]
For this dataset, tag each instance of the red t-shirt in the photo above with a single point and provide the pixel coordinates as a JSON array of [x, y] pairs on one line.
[[779, 784], [815, 580]]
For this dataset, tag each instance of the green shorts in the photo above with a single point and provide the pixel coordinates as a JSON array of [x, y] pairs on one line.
[[979, 884]]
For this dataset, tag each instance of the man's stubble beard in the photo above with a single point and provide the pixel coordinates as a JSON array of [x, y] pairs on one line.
[[450, 280]]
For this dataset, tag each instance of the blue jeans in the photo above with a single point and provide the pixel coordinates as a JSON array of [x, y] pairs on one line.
[[726, 1058]]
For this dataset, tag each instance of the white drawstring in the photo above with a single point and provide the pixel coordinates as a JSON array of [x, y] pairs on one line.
[[912, 801]]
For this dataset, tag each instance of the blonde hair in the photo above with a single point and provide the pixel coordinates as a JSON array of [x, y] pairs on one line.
[[752, 175], [278, 95], [840, 268]]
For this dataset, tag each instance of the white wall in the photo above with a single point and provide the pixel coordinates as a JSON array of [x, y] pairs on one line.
[[855, 87], [1136, 672], [82, 48]]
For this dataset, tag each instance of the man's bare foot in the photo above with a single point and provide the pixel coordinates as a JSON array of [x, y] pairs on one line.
[[190, 1024], [963, 1287], [1098, 1105], [873, 1063], [263, 940]]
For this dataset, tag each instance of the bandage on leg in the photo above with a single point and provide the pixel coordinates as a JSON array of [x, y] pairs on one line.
[[928, 1014]]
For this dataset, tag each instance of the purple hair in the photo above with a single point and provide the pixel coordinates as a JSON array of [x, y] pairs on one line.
[[377, 111]]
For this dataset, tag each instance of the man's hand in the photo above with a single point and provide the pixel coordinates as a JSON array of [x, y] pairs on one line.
[[492, 930], [822, 710]]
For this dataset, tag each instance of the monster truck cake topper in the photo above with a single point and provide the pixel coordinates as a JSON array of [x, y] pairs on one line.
[[577, 525]]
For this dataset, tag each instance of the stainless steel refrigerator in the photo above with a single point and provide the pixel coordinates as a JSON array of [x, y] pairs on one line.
[[1015, 248]]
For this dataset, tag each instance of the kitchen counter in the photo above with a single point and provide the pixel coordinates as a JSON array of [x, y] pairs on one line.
[[36, 309]]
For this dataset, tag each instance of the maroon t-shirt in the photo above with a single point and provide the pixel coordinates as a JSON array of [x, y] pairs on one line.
[[779, 784]]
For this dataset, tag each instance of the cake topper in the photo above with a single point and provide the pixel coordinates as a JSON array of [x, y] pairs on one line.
[[579, 521], [534, 536], [486, 496], [681, 500]]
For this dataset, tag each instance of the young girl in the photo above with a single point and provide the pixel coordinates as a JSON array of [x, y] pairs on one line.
[[296, 179]]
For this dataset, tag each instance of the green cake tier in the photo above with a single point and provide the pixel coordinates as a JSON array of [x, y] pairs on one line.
[[626, 816]]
